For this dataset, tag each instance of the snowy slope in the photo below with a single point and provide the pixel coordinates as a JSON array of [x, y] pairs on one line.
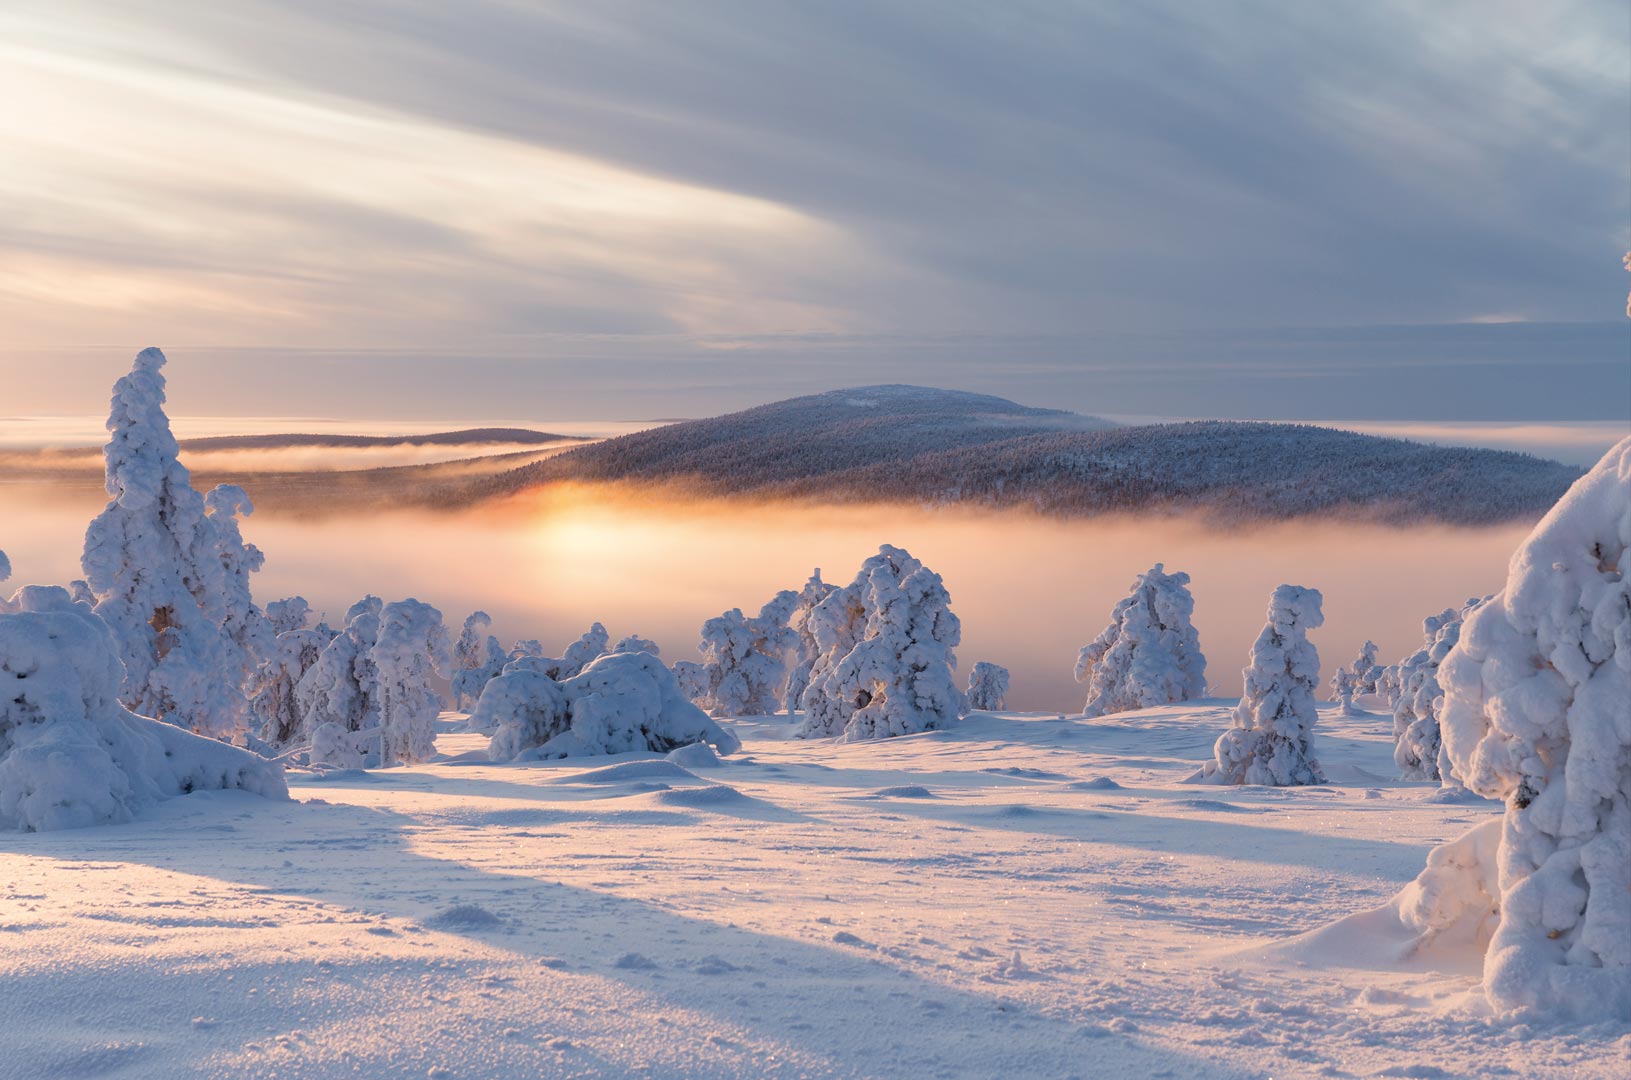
[[1021, 896], [939, 446]]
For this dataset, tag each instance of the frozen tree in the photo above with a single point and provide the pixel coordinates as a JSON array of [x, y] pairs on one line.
[[246, 625], [1366, 669], [368, 605], [290, 613], [1149, 654], [1535, 713], [341, 688], [412, 648], [622, 702], [1272, 741], [1342, 686], [692, 678], [636, 643], [170, 571], [275, 710], [1418, 748], [987, 687], [745, 659], [5, 566], [886, 668], [70, 754], [584, 651], [477, 659], [526, 647], [815, 590]]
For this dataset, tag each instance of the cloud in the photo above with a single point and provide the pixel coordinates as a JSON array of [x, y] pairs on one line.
[[1123, 181]]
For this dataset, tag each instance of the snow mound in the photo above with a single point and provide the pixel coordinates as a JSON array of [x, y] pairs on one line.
[[70, 754], [660, 769], [620, 703], [905, 791], [1097, 783], [696, 756], [463, 917], [712, 795]]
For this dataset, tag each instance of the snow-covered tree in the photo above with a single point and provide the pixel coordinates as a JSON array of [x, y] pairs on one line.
[[987, 687], [745, 659], [412, 647], [886, 668], [1343, 684], [621, 702], [798, 678], [1418, 748], [290, 613], [276, 714], [692, 678], [341, 688], [1357, 678], [5, 566], [584, 651], [636, 643], [70, 754], [526, 647], [1150, 653], [477, 659], [1272, 741], [1535, 713], [170, 571]]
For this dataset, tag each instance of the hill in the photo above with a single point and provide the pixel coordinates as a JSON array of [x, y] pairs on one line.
[[916, 444]]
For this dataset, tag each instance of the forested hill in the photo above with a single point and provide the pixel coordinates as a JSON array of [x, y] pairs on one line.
[[921, 445]]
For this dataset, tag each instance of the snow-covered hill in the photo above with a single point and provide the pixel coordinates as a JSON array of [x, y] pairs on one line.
[[925, 445]]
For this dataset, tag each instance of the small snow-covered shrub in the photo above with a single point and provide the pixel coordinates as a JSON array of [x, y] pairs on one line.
[[745, 659], [412, 647], [1272, 741], [70, 754], [987, 687], [1418, 748], [886, 662], [1150, 653], [290, 613], [636, 643], [621, 702], [1535, 713], [809, 649]]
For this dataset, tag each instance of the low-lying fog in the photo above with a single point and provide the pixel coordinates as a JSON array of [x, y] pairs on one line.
[[1030, 591]]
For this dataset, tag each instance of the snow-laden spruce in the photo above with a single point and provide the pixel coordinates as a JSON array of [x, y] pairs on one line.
[[1355, 679], [276, 714], [413, 649], [886, 662], [70, 754], [338, 696], [169, 570], [5, 567], [744, 660], [798, 678], [1418, 748], [987, 687], [621, 702], [1150, 653], [290, 613], [1537, 713], [478, 658], [636, 643], [1272, 741]]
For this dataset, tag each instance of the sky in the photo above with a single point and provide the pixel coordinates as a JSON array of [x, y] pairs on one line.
[[404, 208]]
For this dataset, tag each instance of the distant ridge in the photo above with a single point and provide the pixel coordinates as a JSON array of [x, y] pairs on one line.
[[486, 436], [917, 444]]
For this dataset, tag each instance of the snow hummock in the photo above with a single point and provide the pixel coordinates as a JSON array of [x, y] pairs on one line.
[[70, 754], [1150, 653], [1272, 741]]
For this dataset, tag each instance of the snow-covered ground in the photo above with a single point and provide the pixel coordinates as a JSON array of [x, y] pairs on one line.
[[1020, 896]]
